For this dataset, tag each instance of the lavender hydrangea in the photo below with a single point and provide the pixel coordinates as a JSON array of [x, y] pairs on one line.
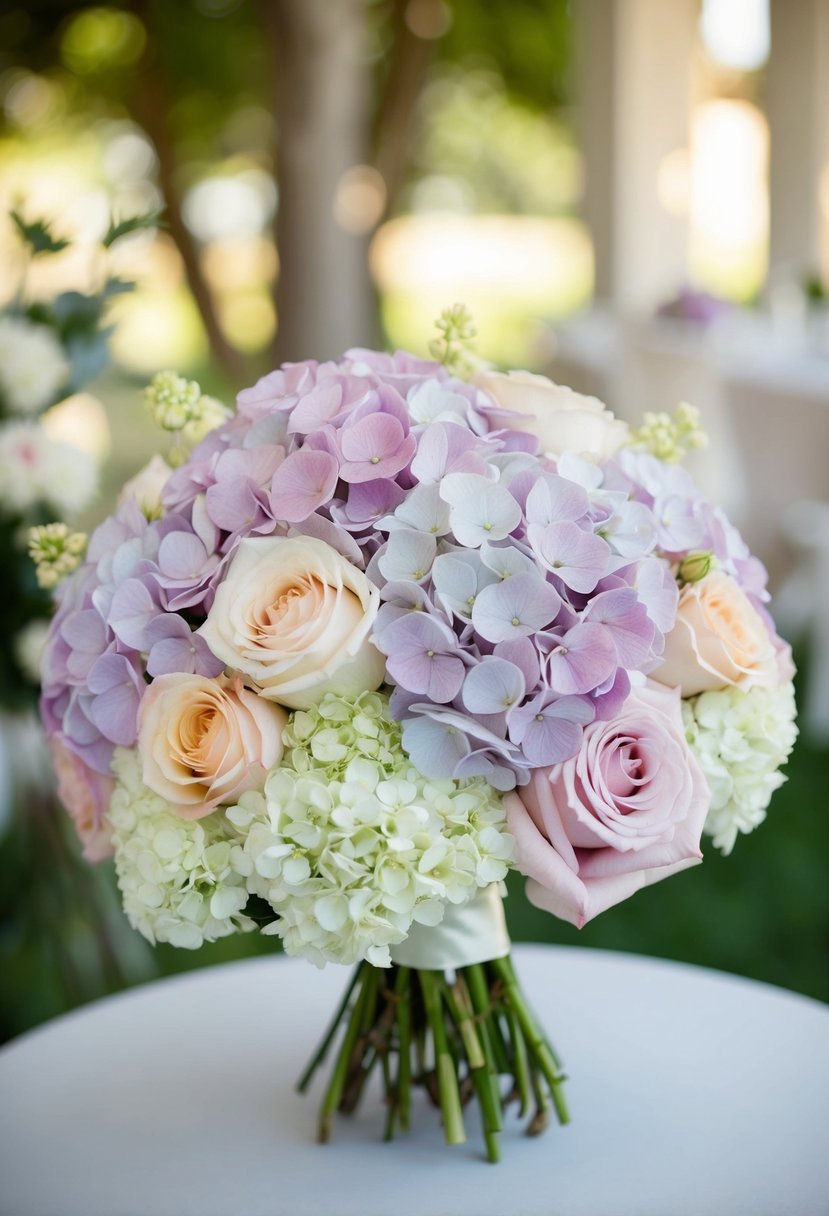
[[520, 594]]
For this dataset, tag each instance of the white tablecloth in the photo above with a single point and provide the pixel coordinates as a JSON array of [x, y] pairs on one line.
[[691, 1092]]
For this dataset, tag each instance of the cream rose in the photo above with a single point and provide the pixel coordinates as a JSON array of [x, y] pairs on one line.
[[719, 639], [563, 420], [204, 742], [294, 617]]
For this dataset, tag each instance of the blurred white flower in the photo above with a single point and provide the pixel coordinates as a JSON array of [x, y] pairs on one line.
[[33, 366], [29, 646], [35, 469]]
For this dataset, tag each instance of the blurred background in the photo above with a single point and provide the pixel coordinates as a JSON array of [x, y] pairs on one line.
[[631, 196]]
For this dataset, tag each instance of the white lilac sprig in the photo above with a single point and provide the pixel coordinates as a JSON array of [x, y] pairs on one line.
[[350, 845], [56, 552], [33, 366]]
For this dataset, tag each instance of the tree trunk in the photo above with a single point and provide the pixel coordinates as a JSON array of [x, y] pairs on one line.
[[325, 301], [151, 105]]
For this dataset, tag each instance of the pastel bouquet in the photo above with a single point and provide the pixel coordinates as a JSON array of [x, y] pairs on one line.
[[393, 628]]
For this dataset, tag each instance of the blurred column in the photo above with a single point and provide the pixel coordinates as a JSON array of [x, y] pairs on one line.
[[798, 115], [633, 90]]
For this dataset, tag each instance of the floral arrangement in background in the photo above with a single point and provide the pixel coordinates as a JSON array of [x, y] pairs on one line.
[[49, 350], [396, 627]]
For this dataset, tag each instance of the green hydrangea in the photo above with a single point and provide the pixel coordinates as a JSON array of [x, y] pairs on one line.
[[350, 845], [182, 881], [741, 739]]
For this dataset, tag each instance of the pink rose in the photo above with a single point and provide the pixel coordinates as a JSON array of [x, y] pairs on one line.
[[86, 795], [204, 742], [625, 812]]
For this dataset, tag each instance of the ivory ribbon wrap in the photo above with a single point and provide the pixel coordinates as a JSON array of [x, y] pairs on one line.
[[469, 933]]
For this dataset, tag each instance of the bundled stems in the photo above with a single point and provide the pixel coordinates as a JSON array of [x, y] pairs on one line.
[[458, 1035]]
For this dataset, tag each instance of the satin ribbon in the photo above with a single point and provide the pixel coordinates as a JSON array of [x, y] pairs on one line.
[[474, 932]]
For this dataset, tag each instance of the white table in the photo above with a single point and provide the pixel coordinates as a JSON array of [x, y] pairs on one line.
[[691, 1092]]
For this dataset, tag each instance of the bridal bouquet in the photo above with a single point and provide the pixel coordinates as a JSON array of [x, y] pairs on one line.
[[387, 632]]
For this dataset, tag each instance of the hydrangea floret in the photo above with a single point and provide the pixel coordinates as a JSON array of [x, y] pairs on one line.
[[741, 738], [350, 845], [182, 881]]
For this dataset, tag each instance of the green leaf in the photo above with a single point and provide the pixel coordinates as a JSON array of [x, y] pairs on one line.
[[117, 287], [37, 235], [136, 223]]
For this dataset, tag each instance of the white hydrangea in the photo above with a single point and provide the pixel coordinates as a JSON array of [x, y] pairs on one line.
[[33, 365], [182, 881], [741, 739], [35, 469], [350, 845]]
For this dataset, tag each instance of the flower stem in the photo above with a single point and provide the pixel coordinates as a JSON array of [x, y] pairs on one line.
[[519, 1063], [538, 1045], [450, 1099], [456, 1034], [403, 1018], [322, 1051], [338, 1077]]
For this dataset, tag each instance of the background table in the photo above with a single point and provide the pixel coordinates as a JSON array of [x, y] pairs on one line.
[[690, 1092]]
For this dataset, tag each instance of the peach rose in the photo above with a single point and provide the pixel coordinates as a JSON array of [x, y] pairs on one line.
[[563, 420], [204, 742], [86, 795], [719, 639], [294, 617]]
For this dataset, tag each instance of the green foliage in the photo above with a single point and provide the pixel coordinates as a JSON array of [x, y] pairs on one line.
[[529, 41], [38, 235], [137, 223]]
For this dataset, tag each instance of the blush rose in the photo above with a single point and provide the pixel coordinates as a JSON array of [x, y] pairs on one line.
[[623, 813], [563, 420], [294, 617], [719, 639], [204, 742], [86, 795]]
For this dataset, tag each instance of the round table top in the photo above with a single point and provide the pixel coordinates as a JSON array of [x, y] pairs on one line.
[[691, 1091]]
